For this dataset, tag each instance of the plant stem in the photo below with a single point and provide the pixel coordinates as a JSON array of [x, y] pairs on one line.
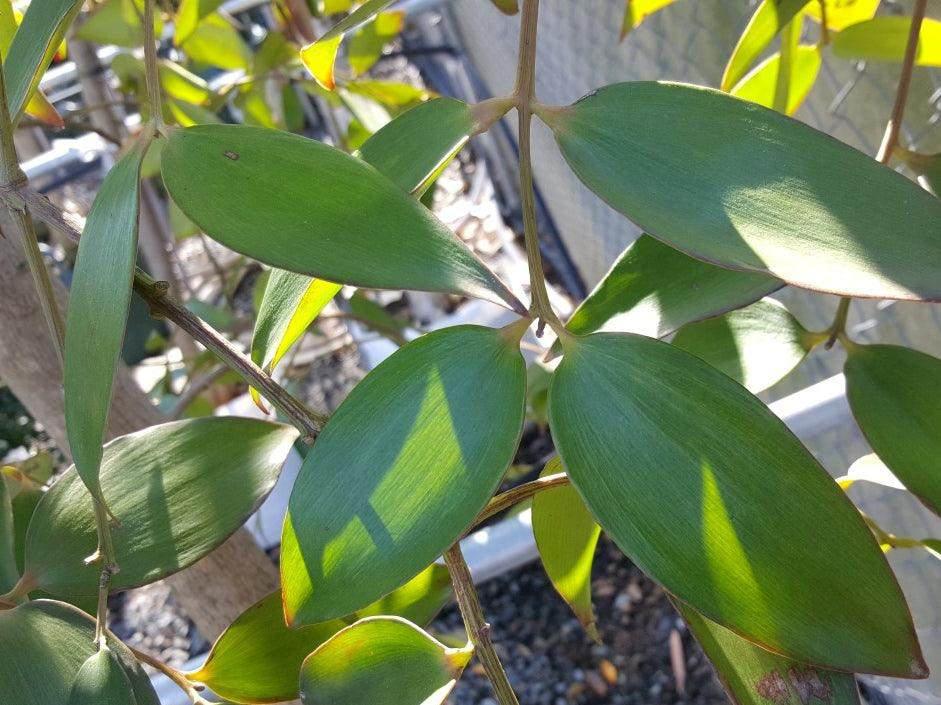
[[782, 88], [477, 628], [525, 95], [838, 327], [178, 678], [824, 30], [151, 70], [519, 493], [11, 176], [156, 295]]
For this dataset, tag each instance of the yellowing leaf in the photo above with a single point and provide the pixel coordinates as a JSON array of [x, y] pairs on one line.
[[843, 13], [884, 39], [507, 7], [637, 11]]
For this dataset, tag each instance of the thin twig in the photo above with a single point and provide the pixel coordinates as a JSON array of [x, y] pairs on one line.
[[194, 389], [176, 677], [518, 494]]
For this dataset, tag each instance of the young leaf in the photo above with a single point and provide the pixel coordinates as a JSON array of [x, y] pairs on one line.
[[884, 39], [710, 494], [507, 7], [770, 17], [189, 14], [38, 105], [368, 41], [894, 393], [653, 289], [756, 345], [566, 535], [98, 306], [382, 661], [753, 676], [843, 13], [43, 646], [9, 573], [101, 679], [118, 22], [637, 11], [760, 83], [748, 188], [401, 469], [180, 490], [215, 42], [33, 46], [257, 659], [249, 188]]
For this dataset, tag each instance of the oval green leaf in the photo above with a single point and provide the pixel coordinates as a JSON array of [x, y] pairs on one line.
[[257, 658], [382, 661], [566, 535], [748, 188], [180, 489], [401, 469], [759, 86], [756, 345], [98, 306], [102, 679], [753, 676], [885, 38], [250, 189], [44, 644], [712, 496], [895, 395]]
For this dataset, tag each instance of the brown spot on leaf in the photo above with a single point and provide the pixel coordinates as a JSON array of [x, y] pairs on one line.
[[773, 687], [808, 684], [234, 156]]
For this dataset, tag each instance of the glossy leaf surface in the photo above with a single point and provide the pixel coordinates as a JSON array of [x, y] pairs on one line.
[[98, 305], [759, 85], [895, 395], [711, 495], [884, 39], [566, 535], [179, 489], [753, 676], [401, 469], [756, 345], [382, 661], [636, 11], [101, 679], [770, 17], [748, 188], [44, 644], [357, 227], [258, 658]]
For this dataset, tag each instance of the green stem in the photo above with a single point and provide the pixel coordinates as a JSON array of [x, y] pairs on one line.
[[176, 677], [105, 555], [477, 628], [518, 494], [151, 70], [838, 327], [782, 88]]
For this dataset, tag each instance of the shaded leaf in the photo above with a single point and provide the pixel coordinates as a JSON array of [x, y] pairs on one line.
[[28, 481], [101, 679], [753, 676], [376, 318], [38, 106], [382, 661], [507, 7], [44, 644], [885, 38], [258, 657], [710, 494], [748, 188], [842, 13], [756, 345], [180, 489], [9, 573], [402, 469], [230, 180], [758, 86], [188, 16], [769, 19], [637, 11], [118, 22], [215, 42], [566, 535], [98, 306], [894, 393]]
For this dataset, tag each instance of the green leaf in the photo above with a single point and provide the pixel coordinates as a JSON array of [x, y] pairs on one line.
[[382, 661], [188, 16], [33, 46], [507, 7], [756, 346], [894, 393], [769, 19], [9, 573], [102, 679], [748, 188], [710, 494], [44, 644], [118, 22], [215, 42], [179, 489], [376, 318], [175, 80], [368, 41], [637, 11], [870, 468], [402, 469], [38, 105], [249, 188], [25, 484], [653, 289], [753, 676], [843, 13], [566, 535], [98, 306], [257, 659], [885, 38], [759, 85]]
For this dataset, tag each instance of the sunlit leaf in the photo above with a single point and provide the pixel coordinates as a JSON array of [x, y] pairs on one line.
[[884, 39], [187, 114], [753, 676], [102, 679], [258, 658], [870, 468], [175, 81], [39, 106], [9, 573], [188, 16], [44, 644], [215, 42], [402, 469], [711, 495], [382, 661], [118, 22], [749, 188], [180, 489], [894, 393], [366, 44], [25, 485], [357, 227], [926, 166], [770, 17], [637, 11], [756, 345], [98, 306], [759, 85], [842, 13], [390, 93], [566, 535]]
